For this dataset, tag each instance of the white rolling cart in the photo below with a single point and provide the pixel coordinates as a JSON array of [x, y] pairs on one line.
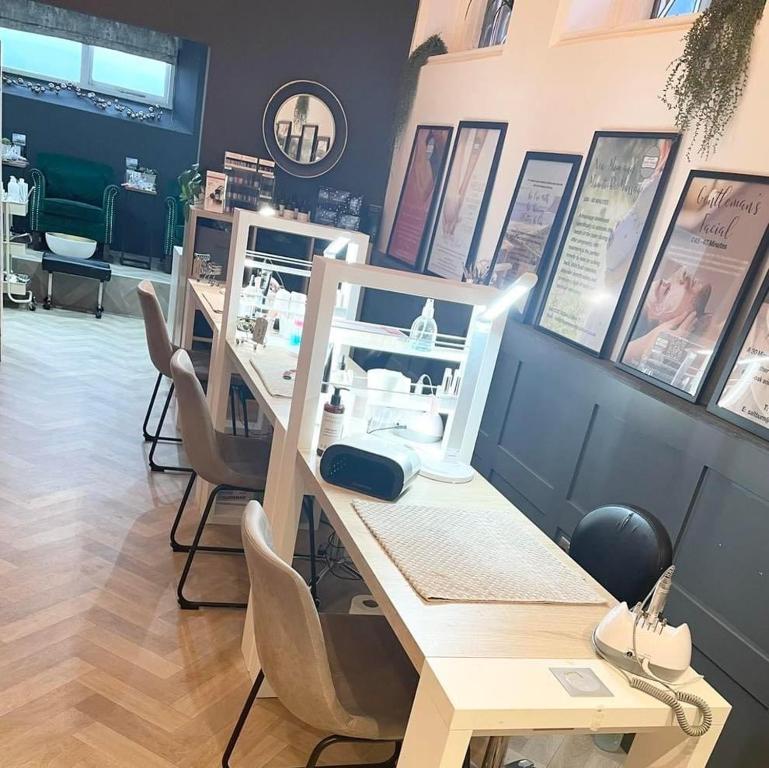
[[15, 286]]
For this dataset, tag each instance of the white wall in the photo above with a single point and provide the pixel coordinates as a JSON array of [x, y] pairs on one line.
[[554, 96]]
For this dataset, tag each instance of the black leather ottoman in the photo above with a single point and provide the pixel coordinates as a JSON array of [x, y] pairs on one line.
[[92, 269]]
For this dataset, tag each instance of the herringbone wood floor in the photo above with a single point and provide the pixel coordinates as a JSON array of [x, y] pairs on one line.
[[98, 666]]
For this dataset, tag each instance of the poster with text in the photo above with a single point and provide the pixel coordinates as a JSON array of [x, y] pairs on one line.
[[533, 221], [419, 193], [620, 188], [745, 393], [709, 250], [465, 199]]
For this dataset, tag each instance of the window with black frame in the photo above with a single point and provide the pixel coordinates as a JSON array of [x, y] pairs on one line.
[[495, 23], [666, 8]]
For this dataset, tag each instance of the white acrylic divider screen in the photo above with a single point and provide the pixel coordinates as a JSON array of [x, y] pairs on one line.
[[477, 359], [245, 227]]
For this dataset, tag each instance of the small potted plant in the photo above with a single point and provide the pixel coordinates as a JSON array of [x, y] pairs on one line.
[[190, 188]]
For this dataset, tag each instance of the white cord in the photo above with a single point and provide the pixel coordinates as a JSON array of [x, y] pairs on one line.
[[667, 695]]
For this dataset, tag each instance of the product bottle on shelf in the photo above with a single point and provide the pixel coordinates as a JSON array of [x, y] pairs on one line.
[[424, 329]]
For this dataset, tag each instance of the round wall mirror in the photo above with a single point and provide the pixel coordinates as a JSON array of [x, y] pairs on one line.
[[305, 128]]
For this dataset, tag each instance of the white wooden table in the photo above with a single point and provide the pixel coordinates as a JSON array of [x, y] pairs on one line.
[[485, 667]]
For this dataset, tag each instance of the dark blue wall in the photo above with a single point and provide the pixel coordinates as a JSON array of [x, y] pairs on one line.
[[355, 47], [70, 126]]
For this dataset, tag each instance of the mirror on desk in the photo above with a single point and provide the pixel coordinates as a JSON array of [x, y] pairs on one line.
[[305, 128]]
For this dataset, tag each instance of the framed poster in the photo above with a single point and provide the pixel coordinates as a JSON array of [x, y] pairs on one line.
[[613, 212], [710, 250], [465, 198], [533, 223], [307, 145], [742, 394], [292, 147], [282, 132], [322, 147], [419, 194]]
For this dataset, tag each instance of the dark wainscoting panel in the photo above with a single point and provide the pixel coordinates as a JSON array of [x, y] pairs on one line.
[[564, 433]]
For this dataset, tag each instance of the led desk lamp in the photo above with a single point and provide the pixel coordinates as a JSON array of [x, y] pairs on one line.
[[450, 469]]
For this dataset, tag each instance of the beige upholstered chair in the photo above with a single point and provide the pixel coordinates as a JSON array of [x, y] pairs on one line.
[[336, 672], [161, 349], [225, 461]]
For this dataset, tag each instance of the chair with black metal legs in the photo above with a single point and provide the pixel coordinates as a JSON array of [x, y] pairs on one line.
[[161, 349], [228, 462], [340, 673]]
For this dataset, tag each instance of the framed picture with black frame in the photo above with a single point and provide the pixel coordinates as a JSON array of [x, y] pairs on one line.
[[419, 194], [307, 144], [622, 183], [526, 243], [465, 198], [283, 133], [741, 396], [711, 250]]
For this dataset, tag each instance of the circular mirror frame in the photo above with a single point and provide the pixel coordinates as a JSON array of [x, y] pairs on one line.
[[334, 155]]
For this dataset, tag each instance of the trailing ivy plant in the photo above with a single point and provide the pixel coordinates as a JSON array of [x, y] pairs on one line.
[[190, 187], [706, 82], [433, 46]]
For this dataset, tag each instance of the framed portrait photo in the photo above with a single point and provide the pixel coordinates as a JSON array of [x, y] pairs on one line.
[[710, 251], [742, 394], [465, 198], [419, 194], [609, 223], [533, 222]]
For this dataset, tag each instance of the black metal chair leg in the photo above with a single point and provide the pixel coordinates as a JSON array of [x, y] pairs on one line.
[[195, 547], [331, 740], [244, 409], [242, 719], [145, 432], [307, 509], [154, 466], [232, 410], [176, 545]]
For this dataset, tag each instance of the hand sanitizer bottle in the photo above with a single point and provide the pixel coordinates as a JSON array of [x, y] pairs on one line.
[[424, 330]]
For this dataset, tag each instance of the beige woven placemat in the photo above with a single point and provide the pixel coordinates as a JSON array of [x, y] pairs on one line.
[[474, 555], [271, 364]]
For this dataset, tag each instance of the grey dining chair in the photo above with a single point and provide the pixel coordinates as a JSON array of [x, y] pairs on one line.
[[228, 462], [339, 673], [160, 350]]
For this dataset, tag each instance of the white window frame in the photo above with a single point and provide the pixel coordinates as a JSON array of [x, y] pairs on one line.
[[87, 83], [659, 11]]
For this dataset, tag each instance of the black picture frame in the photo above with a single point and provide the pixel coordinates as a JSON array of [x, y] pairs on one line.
[[762, 297], [738, 299], [283, 133], [546, 258], [630, 278], [325, 142], [292, 147], [419, 262], [465, 125], [308, 142]]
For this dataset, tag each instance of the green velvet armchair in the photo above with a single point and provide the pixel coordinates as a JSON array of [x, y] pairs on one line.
[[73, 196]]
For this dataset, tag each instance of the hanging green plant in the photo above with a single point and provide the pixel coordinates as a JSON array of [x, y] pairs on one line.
[[433, 46], [190, 187], [706, 82]]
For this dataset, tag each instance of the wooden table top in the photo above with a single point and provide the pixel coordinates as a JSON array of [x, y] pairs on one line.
[[276, 409], [455, 630], [210, 299]]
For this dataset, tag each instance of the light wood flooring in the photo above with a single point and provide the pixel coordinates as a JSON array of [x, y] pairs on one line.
[[98, 666]]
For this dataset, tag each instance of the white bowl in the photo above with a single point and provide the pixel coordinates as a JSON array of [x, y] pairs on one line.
[[70, 245]]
